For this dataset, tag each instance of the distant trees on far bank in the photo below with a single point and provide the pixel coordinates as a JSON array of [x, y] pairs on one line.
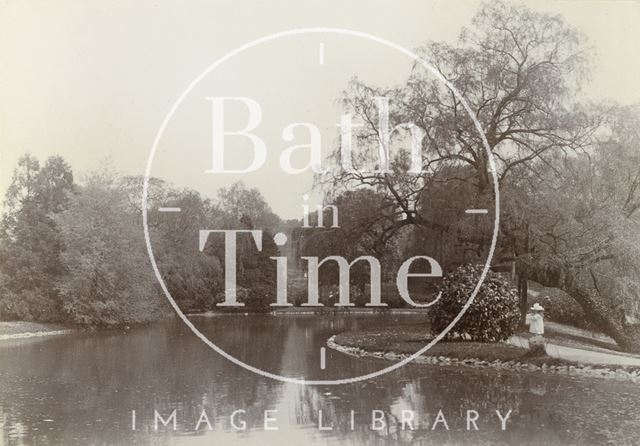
[[75, 253], [30, 242]]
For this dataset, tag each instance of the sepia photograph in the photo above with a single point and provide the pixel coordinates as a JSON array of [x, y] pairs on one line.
[[373, 222]]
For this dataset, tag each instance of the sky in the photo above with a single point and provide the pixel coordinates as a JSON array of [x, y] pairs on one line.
[[93, 81]]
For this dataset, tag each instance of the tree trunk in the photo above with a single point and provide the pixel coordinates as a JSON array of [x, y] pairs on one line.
[[523, 281], [523, 292], [596, 310], [595, 307]]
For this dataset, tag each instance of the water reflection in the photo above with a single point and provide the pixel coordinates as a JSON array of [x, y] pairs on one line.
[[81, 389]]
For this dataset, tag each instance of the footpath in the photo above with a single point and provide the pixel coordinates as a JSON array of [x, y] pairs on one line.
[[579, 345]]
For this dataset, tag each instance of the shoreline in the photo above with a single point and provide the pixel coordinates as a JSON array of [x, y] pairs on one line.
[[356, 347], [10, 330], [25, 329], [310, 311], [527, 364], [347, 310]]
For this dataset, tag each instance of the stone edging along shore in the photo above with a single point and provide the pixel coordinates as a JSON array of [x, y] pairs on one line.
[[599, 371]]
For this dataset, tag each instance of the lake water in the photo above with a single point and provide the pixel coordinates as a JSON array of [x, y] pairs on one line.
[[81, 389]]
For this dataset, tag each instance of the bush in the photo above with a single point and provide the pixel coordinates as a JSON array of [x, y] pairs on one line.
[[241, 296], [260, 298], [493, 315], [390, 295], [256, 299]]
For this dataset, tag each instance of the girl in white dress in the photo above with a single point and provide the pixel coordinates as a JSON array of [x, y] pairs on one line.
[[536, 323]]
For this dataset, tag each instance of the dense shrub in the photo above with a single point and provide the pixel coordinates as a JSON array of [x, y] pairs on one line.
[[390, 295], [256, 299], [493, 315], [260, 298], [241, 296]]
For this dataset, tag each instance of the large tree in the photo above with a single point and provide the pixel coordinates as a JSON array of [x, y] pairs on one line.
[[517, 69], [30, 244], [582, 226], [106, 279], [519, 72]]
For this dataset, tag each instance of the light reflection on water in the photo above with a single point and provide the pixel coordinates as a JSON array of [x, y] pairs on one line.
[[81, 388]]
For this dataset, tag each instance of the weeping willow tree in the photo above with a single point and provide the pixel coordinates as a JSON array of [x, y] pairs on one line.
[[519, 71]]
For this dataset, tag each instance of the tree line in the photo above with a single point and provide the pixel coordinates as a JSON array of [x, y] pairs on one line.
[[75, 253]]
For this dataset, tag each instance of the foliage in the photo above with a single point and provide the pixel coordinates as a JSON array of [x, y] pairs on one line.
[[256, 299], [568, 172], [240, 203], [585, 236], [260, 297], [518, 70], [30, 246], [192, 277], [492, 316], [107, 278], [76, 253], [359, 214]]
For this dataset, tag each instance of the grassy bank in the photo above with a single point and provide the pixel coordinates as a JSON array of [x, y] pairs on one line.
[[408, 339], [395, 343]]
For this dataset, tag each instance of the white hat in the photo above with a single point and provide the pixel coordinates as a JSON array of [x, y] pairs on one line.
[[537, 307]]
